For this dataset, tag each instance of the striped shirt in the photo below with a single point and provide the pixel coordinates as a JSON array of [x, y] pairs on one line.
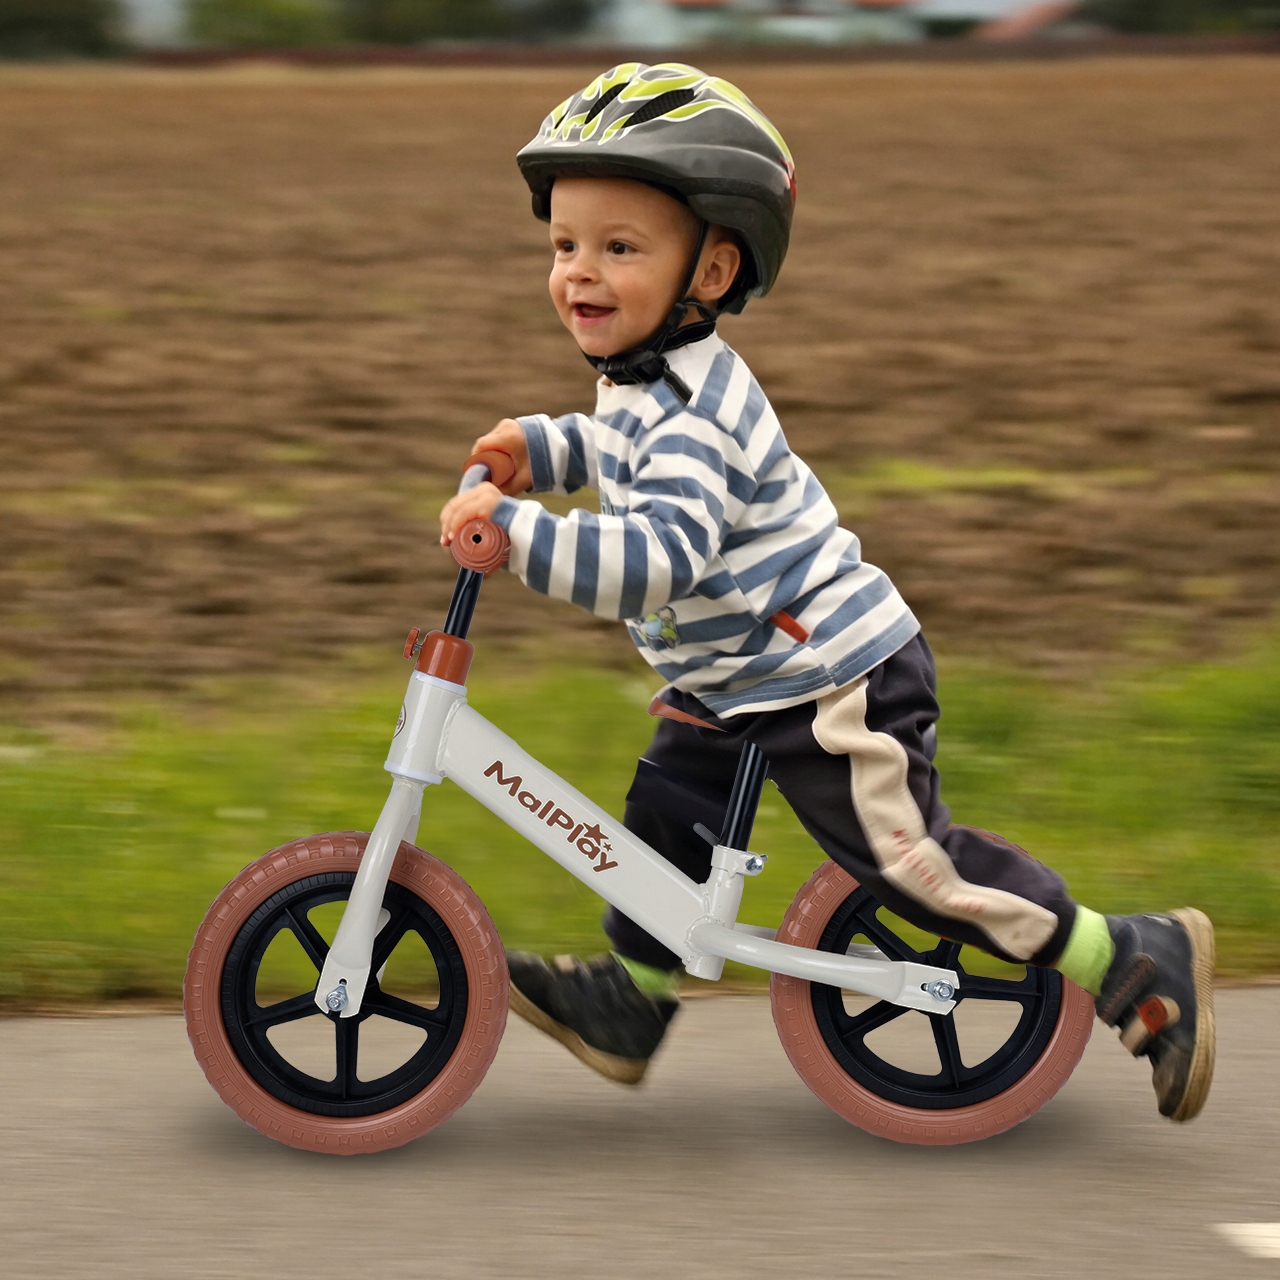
[[709, 526]]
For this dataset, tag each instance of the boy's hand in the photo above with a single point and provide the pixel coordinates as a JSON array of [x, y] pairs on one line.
[[508, 437], [480, 501]]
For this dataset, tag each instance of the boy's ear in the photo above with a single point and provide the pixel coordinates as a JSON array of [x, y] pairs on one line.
[[721, 261]]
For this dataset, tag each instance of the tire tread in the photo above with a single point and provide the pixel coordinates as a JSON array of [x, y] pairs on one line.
[[483, 956], [793, 1016]]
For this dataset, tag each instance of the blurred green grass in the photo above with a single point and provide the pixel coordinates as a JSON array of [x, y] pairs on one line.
[[1149, 791]]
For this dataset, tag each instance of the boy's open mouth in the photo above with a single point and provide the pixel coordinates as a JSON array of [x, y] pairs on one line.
[[586, 312]]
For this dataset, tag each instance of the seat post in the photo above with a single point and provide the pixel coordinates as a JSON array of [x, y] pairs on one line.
[[753, 768], [730, 858]]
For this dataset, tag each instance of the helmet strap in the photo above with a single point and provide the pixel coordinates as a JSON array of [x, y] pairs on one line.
[[646, 363]]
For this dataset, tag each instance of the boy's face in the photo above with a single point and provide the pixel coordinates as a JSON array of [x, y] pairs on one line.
[[622, 250]]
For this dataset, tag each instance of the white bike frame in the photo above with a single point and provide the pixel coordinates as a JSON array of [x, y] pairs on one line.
[[439, 736]]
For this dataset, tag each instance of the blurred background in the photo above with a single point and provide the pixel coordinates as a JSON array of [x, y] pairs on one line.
[[254, 311], [43, 27]]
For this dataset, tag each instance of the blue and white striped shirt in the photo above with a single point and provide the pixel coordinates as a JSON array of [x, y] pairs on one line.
[[709, 526]]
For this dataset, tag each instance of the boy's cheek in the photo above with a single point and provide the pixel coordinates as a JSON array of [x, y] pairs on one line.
[[559, 301]]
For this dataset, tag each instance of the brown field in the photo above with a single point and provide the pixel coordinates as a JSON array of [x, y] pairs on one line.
[[1029, 334]]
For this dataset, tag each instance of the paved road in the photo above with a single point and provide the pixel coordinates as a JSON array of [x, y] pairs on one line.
[[118, 1160]]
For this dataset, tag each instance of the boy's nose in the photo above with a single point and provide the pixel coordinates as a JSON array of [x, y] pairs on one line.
[[583, 269]]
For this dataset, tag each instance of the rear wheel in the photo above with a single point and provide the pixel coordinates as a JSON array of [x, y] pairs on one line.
[[1014, 1038], [428, 1027]]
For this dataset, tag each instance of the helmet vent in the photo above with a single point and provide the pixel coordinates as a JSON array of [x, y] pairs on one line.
[[660, 105], [602, 101]]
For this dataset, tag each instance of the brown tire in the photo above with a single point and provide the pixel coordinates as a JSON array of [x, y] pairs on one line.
[[461, 1047], [842, 1073]]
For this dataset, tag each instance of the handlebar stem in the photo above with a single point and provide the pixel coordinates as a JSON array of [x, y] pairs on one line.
[[466, 595]]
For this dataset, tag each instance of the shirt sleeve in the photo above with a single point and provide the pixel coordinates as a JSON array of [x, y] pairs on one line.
[[562, 452], [690, 482]]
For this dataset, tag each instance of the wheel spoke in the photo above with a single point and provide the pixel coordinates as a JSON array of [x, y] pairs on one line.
[[996, 989], [309, 937], [387, 939], [884, 938], [398, 1010], [289, 1070], [273, 1015], [864, 1023], [948, 1045], [945, 1084], [348, 1036]]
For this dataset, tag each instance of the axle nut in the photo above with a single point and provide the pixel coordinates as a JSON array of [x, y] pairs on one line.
[[336, 1000], [941, 990]]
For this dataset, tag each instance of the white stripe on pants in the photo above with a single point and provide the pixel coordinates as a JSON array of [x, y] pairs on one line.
[[911, 861]]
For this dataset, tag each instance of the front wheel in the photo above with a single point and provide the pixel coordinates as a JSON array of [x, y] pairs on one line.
[[1013, 1039], [428, 1028]]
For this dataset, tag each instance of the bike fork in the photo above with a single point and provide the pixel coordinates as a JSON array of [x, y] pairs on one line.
[[346, 968]]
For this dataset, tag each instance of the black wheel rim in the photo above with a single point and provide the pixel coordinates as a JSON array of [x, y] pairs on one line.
[[247, 1022], [955, 1085]]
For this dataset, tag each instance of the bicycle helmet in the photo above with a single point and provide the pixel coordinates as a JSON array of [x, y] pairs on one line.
[[678, 128], [693, 136]]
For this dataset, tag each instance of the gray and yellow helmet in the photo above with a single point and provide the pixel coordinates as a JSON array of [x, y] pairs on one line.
[[677, 128]]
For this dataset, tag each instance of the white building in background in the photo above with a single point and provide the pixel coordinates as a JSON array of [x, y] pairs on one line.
[[676, 24], [671, 24], [155, 24]]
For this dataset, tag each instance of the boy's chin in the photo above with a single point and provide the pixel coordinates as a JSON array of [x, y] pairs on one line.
[[601, 347], [594, 342], [602, 341]]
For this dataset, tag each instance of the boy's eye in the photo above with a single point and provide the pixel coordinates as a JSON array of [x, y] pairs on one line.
[[565, 246], [619, 247]]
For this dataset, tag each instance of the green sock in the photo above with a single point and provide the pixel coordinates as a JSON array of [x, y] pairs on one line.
[[653, 982], [1089, 951]]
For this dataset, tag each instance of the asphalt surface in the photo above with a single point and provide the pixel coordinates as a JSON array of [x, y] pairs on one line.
[[117, 1159]]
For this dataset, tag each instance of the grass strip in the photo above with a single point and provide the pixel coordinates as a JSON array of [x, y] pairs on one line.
[[1147, 792]]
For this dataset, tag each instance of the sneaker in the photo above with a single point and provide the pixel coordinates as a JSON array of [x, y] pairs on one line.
[[593, 1008], [1159, 992]]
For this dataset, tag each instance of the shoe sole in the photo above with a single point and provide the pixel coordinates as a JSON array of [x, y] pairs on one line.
[[610, 1065], [1203, 954]]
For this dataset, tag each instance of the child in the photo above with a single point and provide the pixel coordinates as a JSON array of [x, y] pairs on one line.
[[670, 198]]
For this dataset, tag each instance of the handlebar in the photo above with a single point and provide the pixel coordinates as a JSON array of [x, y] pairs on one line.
[[481, 545], [499, 467]]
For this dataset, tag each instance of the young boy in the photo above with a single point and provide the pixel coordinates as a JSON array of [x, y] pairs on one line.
[[669, 197]]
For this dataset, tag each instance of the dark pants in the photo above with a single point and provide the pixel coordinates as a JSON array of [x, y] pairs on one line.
[[856, 766]]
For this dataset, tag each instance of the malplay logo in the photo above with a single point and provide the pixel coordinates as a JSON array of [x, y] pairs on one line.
[[587, 839]]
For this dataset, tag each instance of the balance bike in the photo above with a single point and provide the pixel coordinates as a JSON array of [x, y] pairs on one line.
[[835, 948]]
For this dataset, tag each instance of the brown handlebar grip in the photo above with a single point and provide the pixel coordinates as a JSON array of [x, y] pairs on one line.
[[502, 468], [481, 545]]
